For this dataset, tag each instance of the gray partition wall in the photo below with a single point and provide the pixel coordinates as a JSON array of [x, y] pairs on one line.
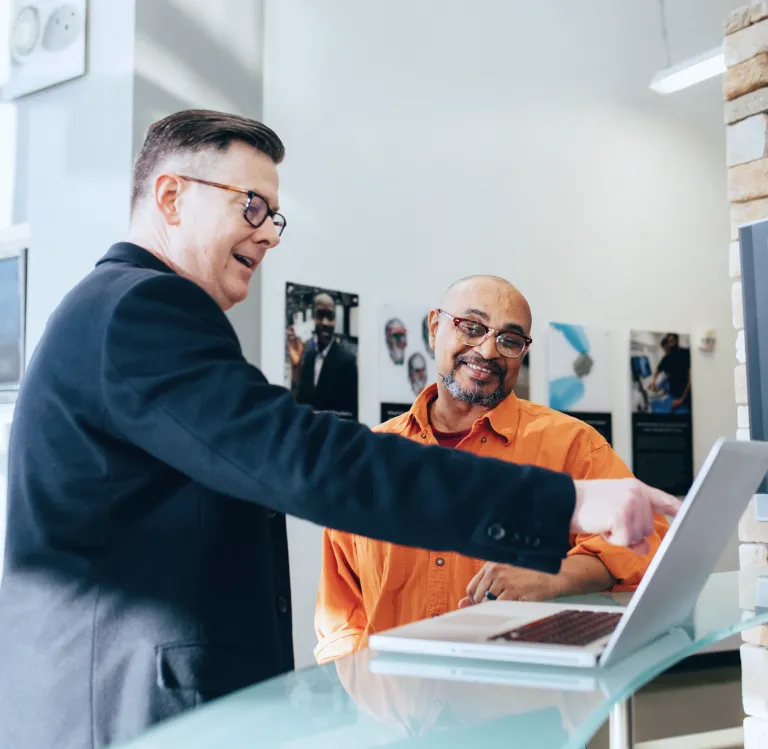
[[753, 240]]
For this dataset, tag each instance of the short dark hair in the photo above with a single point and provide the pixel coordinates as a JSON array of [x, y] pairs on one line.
[[195, 130]]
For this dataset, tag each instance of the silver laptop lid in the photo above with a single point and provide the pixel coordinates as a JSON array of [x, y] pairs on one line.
[[692, 546]]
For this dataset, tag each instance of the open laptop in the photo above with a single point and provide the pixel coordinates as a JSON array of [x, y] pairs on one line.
[[587, 636]]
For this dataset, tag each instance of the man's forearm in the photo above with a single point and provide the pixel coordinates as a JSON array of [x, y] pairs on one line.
[[580, 574]]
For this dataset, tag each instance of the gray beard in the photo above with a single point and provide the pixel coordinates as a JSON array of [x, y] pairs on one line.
[[474, 395]]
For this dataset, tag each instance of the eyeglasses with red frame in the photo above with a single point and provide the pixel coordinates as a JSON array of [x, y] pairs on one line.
[[472, 333]]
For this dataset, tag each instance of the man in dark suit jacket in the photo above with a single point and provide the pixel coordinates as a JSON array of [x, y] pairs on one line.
[[146, 566], [324, 372]]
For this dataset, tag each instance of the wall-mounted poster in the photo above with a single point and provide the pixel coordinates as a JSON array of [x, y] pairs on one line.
[[406, 360], [662, 426], [12, 312], [580, 376], [46, 44], [321, 348]]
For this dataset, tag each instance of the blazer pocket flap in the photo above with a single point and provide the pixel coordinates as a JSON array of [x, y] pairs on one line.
[[209, 669]]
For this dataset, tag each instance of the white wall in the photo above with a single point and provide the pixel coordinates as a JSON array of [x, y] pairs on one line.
[[74, 162], [429, 141], [196, 54]]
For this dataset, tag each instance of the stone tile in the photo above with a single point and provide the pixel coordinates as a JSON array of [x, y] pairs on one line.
[[752, 556], [746, 77], [748, 182], [737, 20], [747, 140], [746, 44], [758, 10], [754, 684], [742, 421], [734, 260], [737, 305], [746, 106], [752, 531], [741, 348], [740, 377], [746, 213]]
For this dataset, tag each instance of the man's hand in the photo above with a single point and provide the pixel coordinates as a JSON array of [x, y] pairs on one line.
[[620, 510], [509, 583], [295, 347]]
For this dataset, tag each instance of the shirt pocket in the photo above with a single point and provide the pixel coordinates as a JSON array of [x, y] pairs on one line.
[[381, 565]]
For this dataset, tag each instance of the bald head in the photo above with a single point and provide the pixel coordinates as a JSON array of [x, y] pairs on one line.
[[474, 366], [489, 296]]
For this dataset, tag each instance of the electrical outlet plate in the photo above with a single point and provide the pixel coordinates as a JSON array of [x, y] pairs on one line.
[[46, 45]]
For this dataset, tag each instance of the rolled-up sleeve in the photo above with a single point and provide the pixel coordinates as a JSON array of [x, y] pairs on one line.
[[626, 567]]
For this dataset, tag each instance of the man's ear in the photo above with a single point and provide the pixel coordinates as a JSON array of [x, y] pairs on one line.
[[166, 193], [433, 322]]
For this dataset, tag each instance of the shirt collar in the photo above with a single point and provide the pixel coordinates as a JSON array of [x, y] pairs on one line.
[[127, 252], [503, 419]]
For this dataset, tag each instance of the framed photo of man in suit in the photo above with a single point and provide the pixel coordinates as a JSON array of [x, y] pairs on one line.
[[321, 348]]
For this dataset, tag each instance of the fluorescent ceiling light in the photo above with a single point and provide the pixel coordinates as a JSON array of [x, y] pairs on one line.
[[689, 72]]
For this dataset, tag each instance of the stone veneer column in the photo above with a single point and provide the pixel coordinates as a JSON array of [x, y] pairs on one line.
[[746, 116]]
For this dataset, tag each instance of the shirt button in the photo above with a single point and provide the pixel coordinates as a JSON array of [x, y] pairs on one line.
[[497, 532], [439, 561], [484, 439], [423, 435], [282, 605]]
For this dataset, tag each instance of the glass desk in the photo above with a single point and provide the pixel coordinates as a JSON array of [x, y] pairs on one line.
[[383, 700]]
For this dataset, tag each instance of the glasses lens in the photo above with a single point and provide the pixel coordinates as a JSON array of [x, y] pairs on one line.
[[257, 211], [510, 344], [470, 332]]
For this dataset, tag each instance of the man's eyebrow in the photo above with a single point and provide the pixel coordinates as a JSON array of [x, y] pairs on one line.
[[513, 327], [478, 312]]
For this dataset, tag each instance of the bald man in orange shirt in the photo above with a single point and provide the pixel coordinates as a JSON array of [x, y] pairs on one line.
[[480, 334]]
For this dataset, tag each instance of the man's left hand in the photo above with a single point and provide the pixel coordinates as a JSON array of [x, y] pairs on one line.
[[508, 583]]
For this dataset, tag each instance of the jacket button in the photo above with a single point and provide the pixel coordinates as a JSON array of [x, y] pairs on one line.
[[282, 605], [497, 531], [440, 561]]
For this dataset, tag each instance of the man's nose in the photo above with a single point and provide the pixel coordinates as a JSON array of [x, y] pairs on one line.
[[487, 349], [266, 235]]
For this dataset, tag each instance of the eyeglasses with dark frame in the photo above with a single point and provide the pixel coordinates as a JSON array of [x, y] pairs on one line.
[[257, 210], [472, 333]]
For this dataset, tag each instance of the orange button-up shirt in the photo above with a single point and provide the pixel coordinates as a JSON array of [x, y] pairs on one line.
[[369, 586]]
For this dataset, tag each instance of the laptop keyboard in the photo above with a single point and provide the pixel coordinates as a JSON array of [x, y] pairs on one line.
[[564, 628]]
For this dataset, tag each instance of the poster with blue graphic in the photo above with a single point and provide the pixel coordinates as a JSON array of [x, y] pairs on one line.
[[580, 376], [662, 405]]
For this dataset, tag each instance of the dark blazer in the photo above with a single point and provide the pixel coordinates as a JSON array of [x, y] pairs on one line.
[[146, 567], [336, 388]]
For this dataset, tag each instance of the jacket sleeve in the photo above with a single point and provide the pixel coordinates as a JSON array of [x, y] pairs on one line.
[[340, 617], [625, 566], [175, 384]]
